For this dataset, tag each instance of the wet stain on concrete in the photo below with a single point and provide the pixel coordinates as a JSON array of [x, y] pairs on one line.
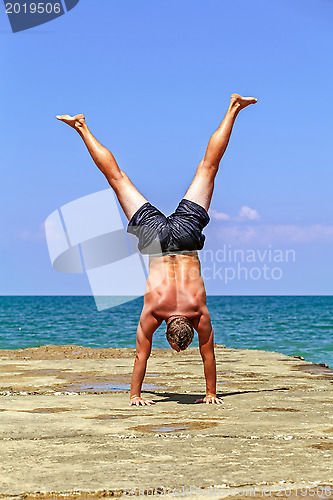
[[42, 410], [43, 372], [323, 446], [317, 369], [249, 375], [275, 409], [107, 416], [48, 410], [11, 368], [174, 426]]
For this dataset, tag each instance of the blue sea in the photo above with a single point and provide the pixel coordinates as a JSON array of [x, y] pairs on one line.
[[301, 326]]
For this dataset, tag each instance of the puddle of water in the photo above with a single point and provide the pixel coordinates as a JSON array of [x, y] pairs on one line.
[[168, 428], [109, 387], [100, 387]]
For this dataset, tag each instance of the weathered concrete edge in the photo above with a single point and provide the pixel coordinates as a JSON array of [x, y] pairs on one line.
[[259, 490]]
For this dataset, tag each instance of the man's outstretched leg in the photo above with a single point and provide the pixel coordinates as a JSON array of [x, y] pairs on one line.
[[202, 186], [129, 197]]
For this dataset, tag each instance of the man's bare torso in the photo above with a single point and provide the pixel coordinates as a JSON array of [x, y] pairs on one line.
[[175, 287]]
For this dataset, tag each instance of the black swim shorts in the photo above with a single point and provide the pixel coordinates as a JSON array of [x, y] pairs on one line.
[[179, 232]]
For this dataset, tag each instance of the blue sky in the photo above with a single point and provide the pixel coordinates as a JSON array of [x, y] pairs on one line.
[[154, 80]]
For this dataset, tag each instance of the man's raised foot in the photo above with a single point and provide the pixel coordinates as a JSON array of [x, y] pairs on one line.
[[241, 101], [76, 122]]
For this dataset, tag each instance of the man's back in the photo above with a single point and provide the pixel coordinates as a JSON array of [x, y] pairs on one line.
[[175, 287]]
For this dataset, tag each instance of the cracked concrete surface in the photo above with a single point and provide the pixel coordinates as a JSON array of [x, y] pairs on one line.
[[66, 425]]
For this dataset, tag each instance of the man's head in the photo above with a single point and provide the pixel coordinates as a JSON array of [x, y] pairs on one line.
[[179, 332]]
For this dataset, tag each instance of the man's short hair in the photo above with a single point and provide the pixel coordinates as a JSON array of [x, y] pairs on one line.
[[180, 332]]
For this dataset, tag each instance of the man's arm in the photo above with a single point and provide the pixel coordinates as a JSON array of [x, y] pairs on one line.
[[147, 326], [206, 345]]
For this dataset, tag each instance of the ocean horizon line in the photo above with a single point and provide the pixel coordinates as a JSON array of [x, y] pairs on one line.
[[208, 295]]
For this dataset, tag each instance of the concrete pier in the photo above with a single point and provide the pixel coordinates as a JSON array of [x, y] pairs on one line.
[[67, 430]]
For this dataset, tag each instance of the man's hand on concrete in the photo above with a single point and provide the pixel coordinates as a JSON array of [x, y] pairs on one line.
[[139, 401], [214, 400]]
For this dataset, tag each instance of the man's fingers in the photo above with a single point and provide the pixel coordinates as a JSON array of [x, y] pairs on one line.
[[210, 400], [142, 402], [217, 401]]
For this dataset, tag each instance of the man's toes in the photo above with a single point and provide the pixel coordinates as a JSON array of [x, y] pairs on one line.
[[64, 117]]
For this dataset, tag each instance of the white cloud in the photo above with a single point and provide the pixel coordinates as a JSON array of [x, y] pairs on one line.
[[214, 214], [245, 213], [248, 213]]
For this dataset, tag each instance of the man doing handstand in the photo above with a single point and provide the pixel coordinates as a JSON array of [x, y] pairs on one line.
[[175, 291]]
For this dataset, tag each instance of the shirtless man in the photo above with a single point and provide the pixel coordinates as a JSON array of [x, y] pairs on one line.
[[175, 291]]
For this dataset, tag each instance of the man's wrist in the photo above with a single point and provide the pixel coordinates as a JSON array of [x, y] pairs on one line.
[[134, 397]]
